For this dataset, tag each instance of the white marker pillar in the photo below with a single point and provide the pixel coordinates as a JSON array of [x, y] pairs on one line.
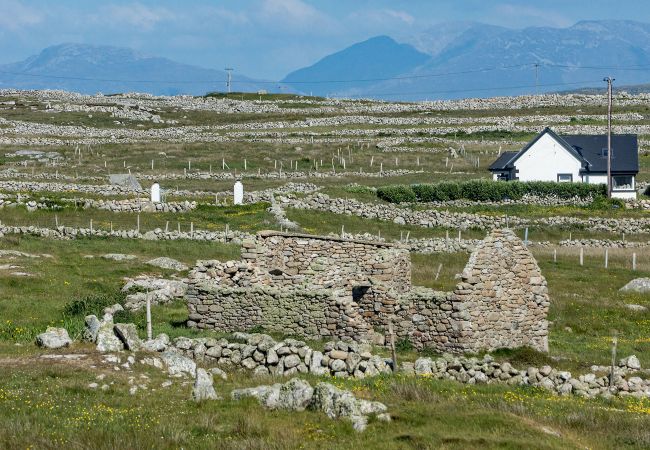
[[238, 193], [155, 193]]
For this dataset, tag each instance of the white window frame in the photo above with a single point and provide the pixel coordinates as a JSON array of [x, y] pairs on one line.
[[616, 188], [570, 175]]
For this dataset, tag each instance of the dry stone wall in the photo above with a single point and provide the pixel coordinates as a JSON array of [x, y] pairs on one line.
[[320, 287]]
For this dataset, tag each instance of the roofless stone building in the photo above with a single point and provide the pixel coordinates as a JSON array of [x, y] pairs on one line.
[[322, 287]]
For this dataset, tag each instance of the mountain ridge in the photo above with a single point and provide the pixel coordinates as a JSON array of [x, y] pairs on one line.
[[90, 69]]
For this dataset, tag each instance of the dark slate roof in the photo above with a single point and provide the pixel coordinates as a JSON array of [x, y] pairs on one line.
[[625, 151], [588, 149], [502, 161]]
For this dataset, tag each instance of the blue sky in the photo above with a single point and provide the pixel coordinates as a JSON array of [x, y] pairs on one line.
[[268, 38]]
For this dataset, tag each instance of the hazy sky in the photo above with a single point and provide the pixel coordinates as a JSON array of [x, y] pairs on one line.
[[267, 38]]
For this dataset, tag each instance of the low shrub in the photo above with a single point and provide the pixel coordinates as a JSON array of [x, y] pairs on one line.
[[92, 304], [397, 194], [604, 203]]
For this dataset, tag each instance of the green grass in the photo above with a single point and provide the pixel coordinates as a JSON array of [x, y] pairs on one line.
[[249, 218], [48, 405], [29, 304]]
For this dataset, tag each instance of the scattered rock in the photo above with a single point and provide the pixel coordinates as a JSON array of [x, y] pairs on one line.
[[203, 387], [107, 341], [111, 310], [159, 344], [178, 365], [53, 338], [636, 308], [119, 257], [128, 334], [92, 328], [167, 263], [640, 285], [298, 395]]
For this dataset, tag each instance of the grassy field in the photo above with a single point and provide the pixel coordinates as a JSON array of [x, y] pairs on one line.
[[249, 218], [47, 403]]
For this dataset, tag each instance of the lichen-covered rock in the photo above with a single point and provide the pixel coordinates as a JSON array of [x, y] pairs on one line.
[[91, 329], [107, 341], [53, 338], [203, 387], [639, 285], [178, 365], [167, 263], [158, 344], [128, 334], [295, 395], [268, 396]]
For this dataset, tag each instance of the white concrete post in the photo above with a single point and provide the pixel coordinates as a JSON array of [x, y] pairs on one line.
[[149, 332]]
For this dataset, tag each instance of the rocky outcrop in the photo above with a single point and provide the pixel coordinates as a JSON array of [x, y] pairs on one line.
[[298, 395]]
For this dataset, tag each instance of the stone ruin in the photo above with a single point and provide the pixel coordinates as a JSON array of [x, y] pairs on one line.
[[330, 288]]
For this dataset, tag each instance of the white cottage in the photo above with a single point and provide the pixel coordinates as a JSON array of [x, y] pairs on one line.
[[573, 158]]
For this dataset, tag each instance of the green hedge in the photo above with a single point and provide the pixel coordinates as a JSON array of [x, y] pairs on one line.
[[478, 190], [396, 194]]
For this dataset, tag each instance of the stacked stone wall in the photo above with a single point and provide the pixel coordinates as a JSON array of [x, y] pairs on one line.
[[331, 262]]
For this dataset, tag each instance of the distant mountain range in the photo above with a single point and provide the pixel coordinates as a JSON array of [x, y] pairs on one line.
[[476, 60], [376, 58], [91, 69], [451, 60]]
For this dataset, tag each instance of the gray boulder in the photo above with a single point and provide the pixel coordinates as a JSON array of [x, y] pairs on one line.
[[159, 344], [631, 362], [219, 373], [92, 328], [128, 334], [640, 285], [107, 341], [111, 310], [53, 338], [167, 263], [268, 396], [203, 387], [178, 365], [295, 395], [118, 257]]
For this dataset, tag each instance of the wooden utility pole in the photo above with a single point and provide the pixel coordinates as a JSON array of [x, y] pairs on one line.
[[609, 81]]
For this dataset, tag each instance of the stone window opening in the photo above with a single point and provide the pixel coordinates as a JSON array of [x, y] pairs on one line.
[[359, 292]]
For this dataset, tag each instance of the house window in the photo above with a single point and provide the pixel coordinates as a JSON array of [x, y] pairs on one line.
[[623, 182], [604, 151], [564, 178]]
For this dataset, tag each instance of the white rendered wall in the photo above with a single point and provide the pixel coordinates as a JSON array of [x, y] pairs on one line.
[[624, 195], [545, 160], [596, 179]]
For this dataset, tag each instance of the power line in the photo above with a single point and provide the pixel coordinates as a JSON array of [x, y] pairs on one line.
[[362, 80], [452, 91]]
